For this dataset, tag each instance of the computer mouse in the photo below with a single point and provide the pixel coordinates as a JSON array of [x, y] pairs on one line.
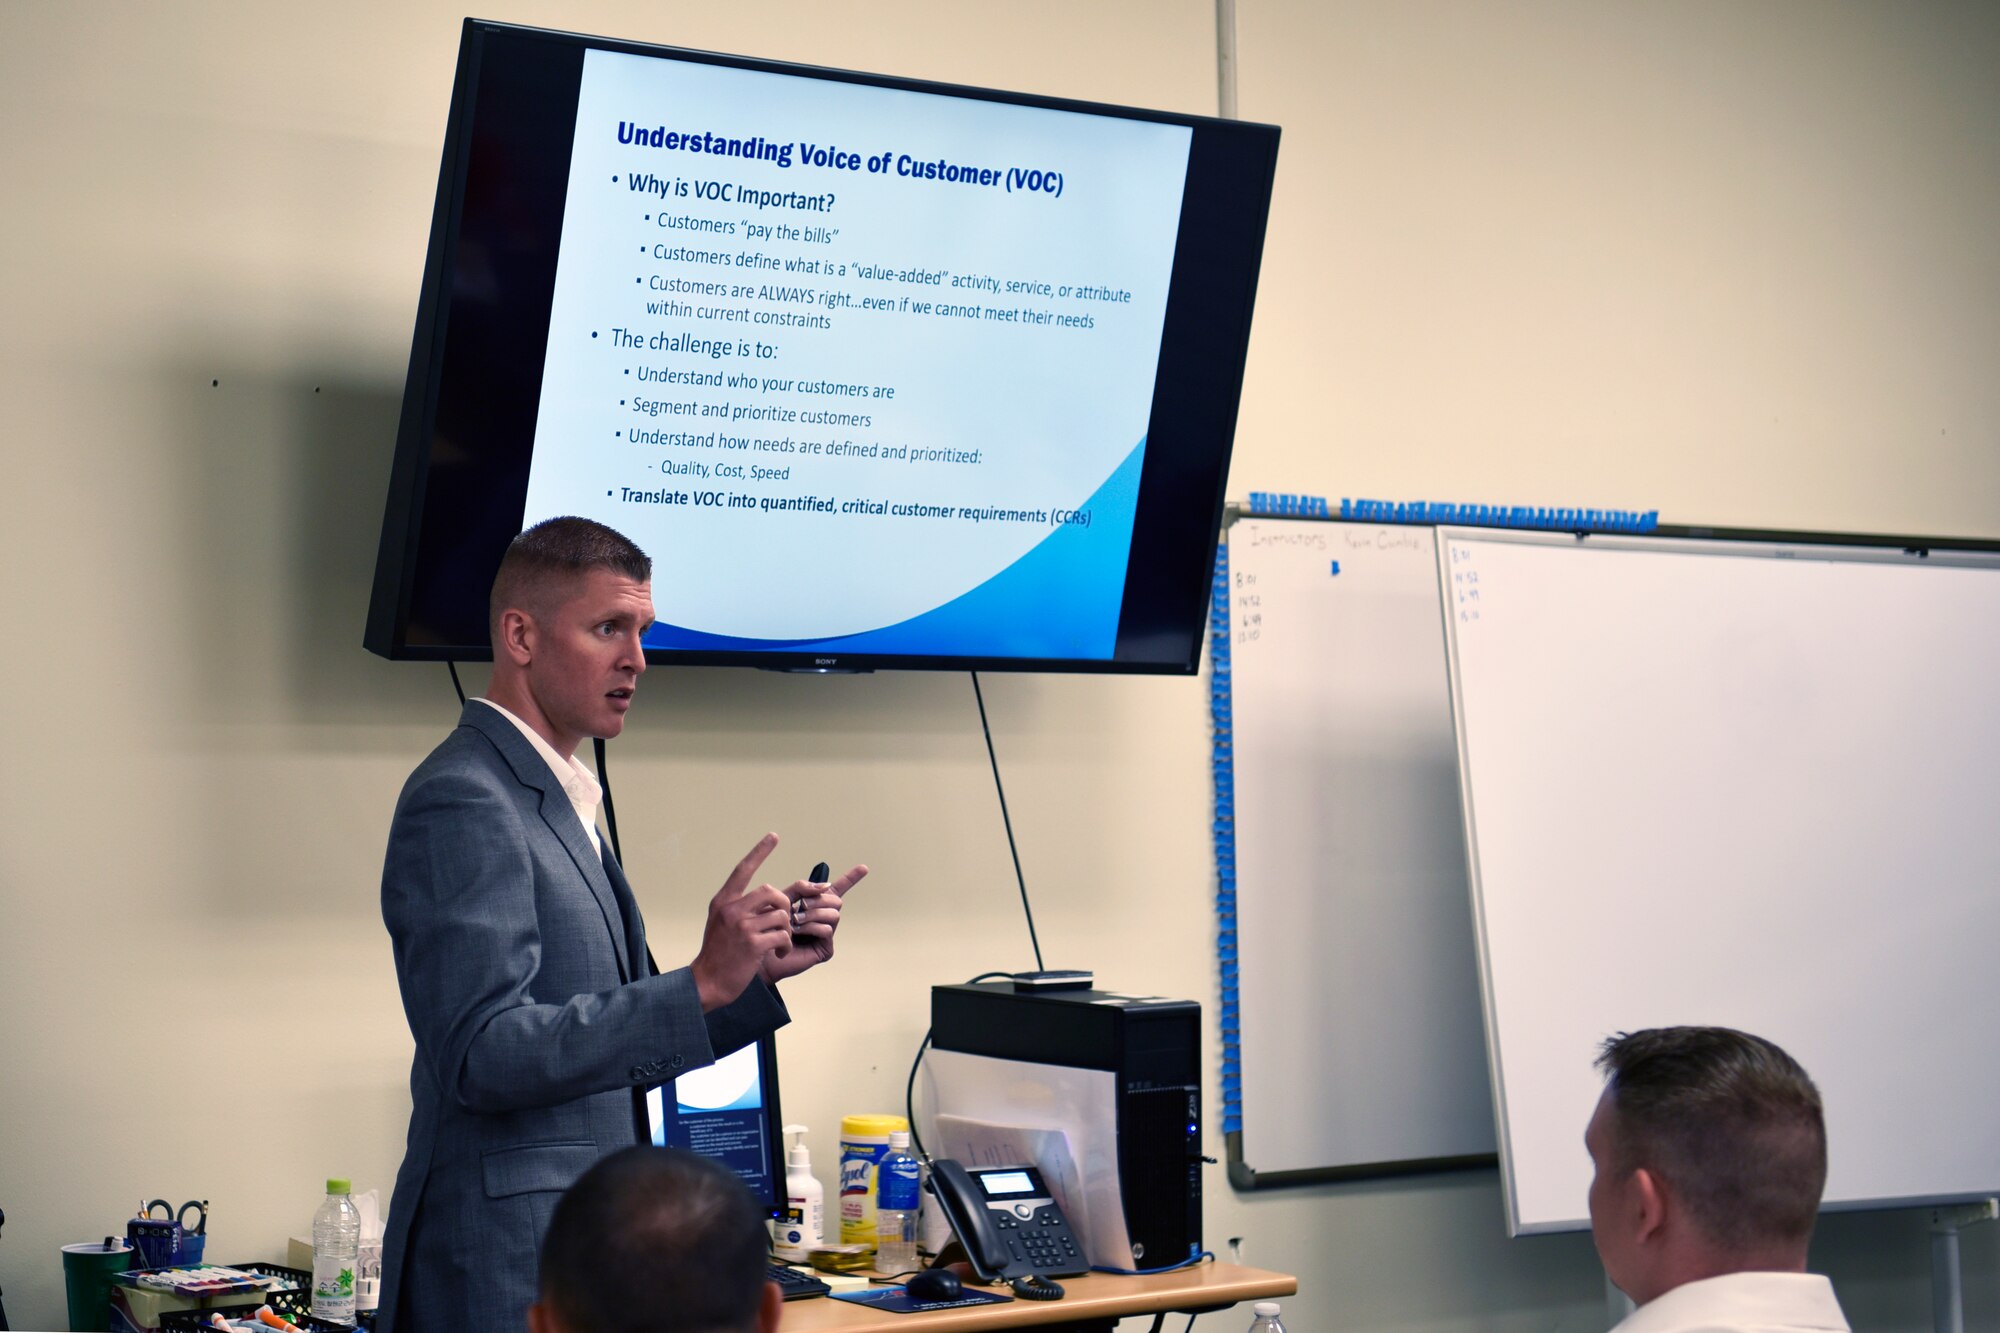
[[935, 1284]]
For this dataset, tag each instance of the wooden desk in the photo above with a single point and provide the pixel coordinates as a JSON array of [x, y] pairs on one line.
[[1095, 1296]]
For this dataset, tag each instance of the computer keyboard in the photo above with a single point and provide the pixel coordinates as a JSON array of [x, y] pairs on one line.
[[797, 1284]]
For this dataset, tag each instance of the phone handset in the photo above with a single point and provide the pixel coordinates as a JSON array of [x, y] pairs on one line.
[[1010, 1225]]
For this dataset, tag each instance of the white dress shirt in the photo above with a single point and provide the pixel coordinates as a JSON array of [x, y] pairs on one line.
[[1741, 1303], [577, 782]]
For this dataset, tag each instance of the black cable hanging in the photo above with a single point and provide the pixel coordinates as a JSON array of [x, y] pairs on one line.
[[1012, 850], [610, 813], [910, 1084]]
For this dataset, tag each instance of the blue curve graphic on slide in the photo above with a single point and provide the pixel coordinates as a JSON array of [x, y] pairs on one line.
[[1059, 600], [751, 1100]]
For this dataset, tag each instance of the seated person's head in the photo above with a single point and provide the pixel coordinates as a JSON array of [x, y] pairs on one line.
[[1710, 1148], [653, 1240]]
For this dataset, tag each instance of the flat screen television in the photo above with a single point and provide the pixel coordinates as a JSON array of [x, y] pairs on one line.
[[881, 373]]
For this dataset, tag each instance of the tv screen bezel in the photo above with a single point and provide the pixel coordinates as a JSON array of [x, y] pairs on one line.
[[1181, 499], [659, 1125]]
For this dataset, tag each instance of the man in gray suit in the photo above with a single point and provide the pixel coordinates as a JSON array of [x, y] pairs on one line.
[[538, 1016]]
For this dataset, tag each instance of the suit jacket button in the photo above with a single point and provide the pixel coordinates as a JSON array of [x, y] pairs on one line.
[[677, 1062]]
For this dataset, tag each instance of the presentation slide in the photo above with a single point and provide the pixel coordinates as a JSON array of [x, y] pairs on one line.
[[886, 357], [719, 1113]]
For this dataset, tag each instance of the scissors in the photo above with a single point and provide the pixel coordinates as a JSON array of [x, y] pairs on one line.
[[167, 1214]]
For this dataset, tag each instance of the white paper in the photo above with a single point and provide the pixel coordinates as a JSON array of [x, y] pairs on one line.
[[989, 1112], [982, 1143]]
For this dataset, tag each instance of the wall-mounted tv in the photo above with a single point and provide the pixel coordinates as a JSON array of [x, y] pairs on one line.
[[881, 373]]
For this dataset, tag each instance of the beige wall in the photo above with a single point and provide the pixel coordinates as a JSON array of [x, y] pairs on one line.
[[1732, 260]]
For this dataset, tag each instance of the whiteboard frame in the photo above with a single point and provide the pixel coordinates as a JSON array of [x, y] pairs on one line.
[[1746, 543], [1242, 1175]]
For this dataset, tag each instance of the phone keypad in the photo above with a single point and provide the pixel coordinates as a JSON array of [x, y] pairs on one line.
[[1041, 1239]]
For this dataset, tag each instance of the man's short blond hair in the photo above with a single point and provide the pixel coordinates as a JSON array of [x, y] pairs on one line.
[[548, 559]]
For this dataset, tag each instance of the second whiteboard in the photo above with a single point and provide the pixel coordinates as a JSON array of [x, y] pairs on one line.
[[1360, 1035]]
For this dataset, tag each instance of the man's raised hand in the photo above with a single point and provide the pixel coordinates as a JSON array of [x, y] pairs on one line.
[[815, 915], [744, 927]]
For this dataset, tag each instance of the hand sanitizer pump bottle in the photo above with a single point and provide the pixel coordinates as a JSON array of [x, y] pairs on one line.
[[805, 1203]]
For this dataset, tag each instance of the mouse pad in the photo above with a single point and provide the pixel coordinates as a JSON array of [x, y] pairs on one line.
[[897, 1301]]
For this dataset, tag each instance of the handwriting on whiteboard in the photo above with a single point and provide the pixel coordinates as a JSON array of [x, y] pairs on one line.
[[1306, 539], [1246, 609], [1387, 539]]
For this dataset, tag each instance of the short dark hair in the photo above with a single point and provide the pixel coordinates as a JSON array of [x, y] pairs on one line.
[[556, 551], [656, 1240], [1730, 1122]]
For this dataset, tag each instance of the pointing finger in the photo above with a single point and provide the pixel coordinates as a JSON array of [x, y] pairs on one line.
[[746, 869]]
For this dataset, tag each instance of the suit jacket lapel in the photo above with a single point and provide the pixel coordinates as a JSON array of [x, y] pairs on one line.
[[531, 770], [561, 817], [635, 927]]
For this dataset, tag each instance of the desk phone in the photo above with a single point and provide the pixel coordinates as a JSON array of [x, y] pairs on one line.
[[1010, 1224]]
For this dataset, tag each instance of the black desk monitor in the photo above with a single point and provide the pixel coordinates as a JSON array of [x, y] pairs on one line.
[[728, 1111]]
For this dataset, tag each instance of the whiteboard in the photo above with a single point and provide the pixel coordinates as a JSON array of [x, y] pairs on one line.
[[1358, 1026], [1735, 783]]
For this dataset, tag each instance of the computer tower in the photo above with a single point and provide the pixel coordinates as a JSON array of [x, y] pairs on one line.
[[1152, 1047]]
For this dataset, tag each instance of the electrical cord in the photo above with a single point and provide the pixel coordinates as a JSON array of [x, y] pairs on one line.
[[1031, 1288], [617, 848], [910, 1085], [1012, 850], [910, 1099], [1035, 1287], [604, 784], [611, 823], [1206, 1256]]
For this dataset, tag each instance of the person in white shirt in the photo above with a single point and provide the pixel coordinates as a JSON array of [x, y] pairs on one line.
[[1710, 1149]]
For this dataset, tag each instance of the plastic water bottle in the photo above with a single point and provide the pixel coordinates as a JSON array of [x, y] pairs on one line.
[[1266, 1320], [336, 1251], [899, 1182]]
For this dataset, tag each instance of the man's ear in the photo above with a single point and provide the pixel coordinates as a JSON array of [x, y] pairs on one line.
[[770, 1308], [517, 637], [1649, 1193]]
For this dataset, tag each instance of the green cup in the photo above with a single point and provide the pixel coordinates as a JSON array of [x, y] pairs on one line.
[[87, 1272]]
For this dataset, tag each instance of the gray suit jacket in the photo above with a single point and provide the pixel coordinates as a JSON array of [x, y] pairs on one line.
[[523, 967]]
